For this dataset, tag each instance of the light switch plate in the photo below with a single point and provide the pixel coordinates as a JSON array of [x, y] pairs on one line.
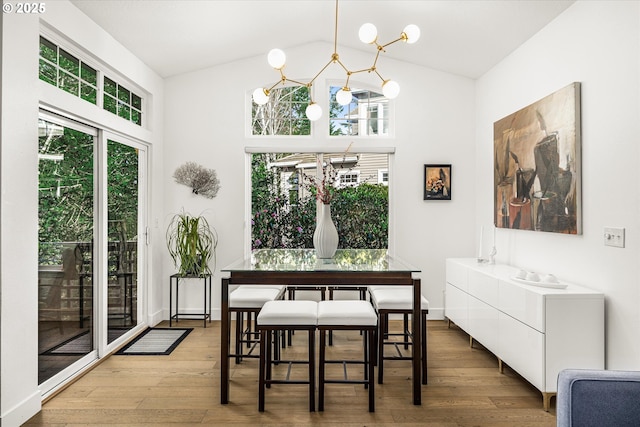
[[614, 236]]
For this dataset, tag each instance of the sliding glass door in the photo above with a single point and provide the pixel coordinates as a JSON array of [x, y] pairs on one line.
[[66, 258], [123, 180], [91, 253]]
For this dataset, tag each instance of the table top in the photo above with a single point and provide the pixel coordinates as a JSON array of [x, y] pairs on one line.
[[305, 260]]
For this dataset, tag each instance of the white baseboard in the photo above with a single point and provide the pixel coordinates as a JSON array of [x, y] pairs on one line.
[[24, 410]]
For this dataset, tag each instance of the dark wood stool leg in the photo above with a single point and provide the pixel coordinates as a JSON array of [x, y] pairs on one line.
[[381, 337], [370, 350], [262, 368], [312, 370], [238, 336], [321, 372], [424, 347]]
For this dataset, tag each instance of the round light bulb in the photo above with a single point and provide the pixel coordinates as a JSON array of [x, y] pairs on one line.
[[368, 33], [260, 97], [313, 111], [390, 89], [276, 58], [343, 96], [412, 32]]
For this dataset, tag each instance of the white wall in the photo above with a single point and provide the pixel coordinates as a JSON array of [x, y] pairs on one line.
[[21, 93], [19, 396], [206, 114], [595, 43]]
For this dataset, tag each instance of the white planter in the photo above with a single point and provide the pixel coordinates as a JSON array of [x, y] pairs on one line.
[[325, 238]]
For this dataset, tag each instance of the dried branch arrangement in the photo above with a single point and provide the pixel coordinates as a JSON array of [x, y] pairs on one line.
[[202, 181]]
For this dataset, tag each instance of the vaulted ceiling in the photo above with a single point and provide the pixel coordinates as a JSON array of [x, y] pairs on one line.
[[463, 37]]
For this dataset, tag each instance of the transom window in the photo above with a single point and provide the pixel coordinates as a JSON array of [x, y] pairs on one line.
[[64, 70], [284, 114], [122, 102], [366, 115], [61, 69]]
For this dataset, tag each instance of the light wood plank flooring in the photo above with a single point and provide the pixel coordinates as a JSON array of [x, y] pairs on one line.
[[465, 389]]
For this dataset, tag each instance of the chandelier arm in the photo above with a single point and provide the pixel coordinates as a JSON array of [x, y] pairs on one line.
[[342, 65], [298, 82], [381, 78], [375, 60], [394, 41], [275, 84], [321, 71], [370, 69]]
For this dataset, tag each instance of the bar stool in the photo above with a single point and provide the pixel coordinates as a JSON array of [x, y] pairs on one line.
[[398, 300], [362, 292], [249, 299], [354, 315], [279, 315]]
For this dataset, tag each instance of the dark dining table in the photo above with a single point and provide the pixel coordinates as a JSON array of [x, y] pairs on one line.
[[301, 267]]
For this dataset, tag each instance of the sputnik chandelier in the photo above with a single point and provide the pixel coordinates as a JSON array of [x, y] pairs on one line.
[[368, 34]]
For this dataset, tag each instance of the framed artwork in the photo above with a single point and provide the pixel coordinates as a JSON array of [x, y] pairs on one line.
[[437, 182], [537, 181]]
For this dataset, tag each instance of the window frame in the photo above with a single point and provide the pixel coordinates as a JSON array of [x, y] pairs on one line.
[[291, 148]]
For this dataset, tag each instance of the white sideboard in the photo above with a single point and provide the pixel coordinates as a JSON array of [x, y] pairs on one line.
[[537, 331]]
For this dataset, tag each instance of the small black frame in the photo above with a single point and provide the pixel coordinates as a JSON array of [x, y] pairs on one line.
[[437, 182]]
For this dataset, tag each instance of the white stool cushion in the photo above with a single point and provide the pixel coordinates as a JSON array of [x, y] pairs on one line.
[[279, 287], [346, 313], [289, 312], [400, 298], [252, 297]]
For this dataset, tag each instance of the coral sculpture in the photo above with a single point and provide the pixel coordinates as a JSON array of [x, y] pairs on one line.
[[202, 181]]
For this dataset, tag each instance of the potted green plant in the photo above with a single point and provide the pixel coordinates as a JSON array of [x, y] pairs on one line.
[[192, 244]]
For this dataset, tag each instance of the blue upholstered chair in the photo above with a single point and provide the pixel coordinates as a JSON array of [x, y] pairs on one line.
[[598, 398]]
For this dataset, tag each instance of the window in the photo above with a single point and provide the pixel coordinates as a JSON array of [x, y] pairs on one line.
[[283, 201], [122, 102], [366, 115], [62, 69], [284, 114], [348, 178], [383, 176]]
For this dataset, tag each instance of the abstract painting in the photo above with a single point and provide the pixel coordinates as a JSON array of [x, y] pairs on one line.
[[537, 178], [437, 182]]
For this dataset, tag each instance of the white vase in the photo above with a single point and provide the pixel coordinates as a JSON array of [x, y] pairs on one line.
[[325, 238]]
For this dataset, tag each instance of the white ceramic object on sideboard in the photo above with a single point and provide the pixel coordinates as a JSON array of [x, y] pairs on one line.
[[537, 331]]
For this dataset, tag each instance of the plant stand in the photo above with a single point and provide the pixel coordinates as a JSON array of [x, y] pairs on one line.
[[206, 314]]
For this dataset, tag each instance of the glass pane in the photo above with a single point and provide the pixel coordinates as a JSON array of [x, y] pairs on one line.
[[68, 83], [47, 72], [69, 62], [48, 50], [283, 199], [124, 95], [274, 118], [122, 199], [109, 103], [124, 111], [136, 101], [88, 93], [283, 212], [65, 251], [136, 117], [110, 87], [88, 74]]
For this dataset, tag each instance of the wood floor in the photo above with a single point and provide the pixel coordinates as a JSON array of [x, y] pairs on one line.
[[465, 389]]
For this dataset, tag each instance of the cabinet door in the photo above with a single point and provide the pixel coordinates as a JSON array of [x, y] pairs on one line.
[[522, 304], [522, 348], [483, 323], [457, 274], [456, 306], [484, 287]]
